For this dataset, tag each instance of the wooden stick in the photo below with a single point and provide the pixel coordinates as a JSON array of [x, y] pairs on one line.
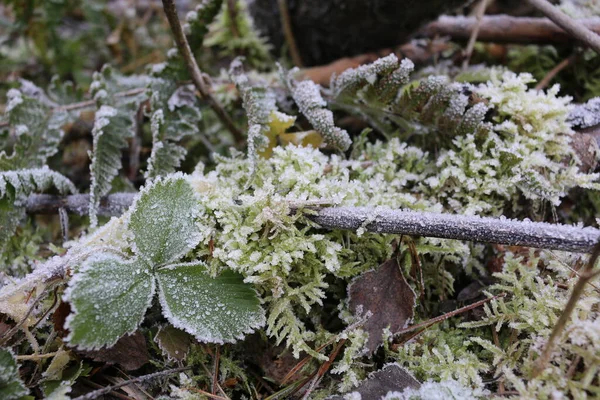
[[561, 19], [383, 220], [506, 29]]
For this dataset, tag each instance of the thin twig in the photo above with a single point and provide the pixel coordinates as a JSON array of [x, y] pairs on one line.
[[215, 374], [207, 394], [233, 15], [8, 334], [194, 70], [288, 32], [585, 276], [100, 392], [479, 16], [554, 71], [35, 357], [98, 386], [451, 314], [561, 19], [383, 220], [323, 369]]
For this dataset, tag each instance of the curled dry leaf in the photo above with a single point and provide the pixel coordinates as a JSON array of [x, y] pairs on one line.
[[387, 296]]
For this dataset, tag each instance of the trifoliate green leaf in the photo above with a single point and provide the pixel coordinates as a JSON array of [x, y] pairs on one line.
[[162, 221], [214, 310], [11, 386], [109, 296]]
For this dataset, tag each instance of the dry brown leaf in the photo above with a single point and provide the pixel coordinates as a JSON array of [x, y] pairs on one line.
[[130, 352], [385, 293], [173, 342]]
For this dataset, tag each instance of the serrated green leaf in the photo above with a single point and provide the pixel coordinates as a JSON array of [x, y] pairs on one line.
[[111, 130], [174, 116], [109, 296], [162, 221], [214, 310], [11, 386], [16, 185], [37, 130]]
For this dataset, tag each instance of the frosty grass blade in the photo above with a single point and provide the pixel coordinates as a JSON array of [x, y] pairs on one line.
[[109, 297], [214, 310], [163, 220]]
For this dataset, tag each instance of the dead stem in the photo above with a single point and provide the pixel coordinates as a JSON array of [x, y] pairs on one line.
[[194, 70]]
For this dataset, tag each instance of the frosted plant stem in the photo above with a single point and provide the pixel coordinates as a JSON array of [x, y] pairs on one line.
[[585, 277], [478, 229], [383, 220], [100, 392], [194, 70], [568, 24]]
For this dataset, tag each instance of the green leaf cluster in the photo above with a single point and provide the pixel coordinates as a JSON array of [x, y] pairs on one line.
[[110, 292]]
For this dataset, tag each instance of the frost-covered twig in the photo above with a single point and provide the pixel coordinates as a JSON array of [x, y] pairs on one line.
[[505, 29], [112, 205], [100, 392], [194, 70], [478, 229], [568, 24], [382, 220]]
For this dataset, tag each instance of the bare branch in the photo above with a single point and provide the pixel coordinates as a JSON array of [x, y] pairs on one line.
[[112, 205], [100, 392], [477, 229], [561, 19], [288, 32], [506, 29], [384, 220], [194, 70]]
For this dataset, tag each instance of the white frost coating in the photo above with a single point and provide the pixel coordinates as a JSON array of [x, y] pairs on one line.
[[214, 310], [109, 135], [26, 181], [585, 115], [108, 296], [474, 228], [15, 98], [307, 96], [353, 79], [449, 389], [162, 219]]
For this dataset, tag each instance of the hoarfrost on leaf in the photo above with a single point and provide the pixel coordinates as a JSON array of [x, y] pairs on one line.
[[214, 310], [11, 386], [109, 297], [163, 220]]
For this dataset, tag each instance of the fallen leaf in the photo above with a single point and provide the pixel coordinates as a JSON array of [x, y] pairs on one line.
[[390, 378], [385, 293], [173, 342], [130, 352]]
